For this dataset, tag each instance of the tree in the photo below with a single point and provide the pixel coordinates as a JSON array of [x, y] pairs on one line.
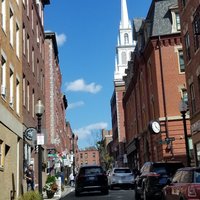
[[105, 159]]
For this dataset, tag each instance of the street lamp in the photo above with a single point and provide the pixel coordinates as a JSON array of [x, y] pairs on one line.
[[39, 110], [73, 150], [183, 109]]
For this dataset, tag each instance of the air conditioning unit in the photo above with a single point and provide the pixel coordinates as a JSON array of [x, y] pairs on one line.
[[3, 90], [11, 101]]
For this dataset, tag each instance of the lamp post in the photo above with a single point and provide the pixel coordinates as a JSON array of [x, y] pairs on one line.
[[183, 109], [73, 150], [39, 110]]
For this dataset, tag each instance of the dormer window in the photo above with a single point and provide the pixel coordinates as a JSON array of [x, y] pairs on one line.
[[176, 25]]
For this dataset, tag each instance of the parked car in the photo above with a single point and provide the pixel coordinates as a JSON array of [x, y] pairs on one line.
[[121, 177], [185, 185], [91, 178], [152, 177]]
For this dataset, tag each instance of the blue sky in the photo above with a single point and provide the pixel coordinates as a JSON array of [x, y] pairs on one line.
[[87, 33]]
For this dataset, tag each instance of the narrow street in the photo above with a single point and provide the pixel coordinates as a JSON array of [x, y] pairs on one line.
[[113, 195]]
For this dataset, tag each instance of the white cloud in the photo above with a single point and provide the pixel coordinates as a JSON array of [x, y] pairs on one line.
[[75, 105], [80, 85], [61, 39], [86, 132]]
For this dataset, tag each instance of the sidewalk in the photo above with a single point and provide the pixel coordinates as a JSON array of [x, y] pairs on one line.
[[67, 190]]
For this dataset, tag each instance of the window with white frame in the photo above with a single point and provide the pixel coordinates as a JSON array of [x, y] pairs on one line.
[[11, 25], [33, 103], [32, 18], [17, 40], [33, 60], [28, 96], [178, 23], [126, 39], [24, 39], [3, 12], [3, 75], [28, 48], [17, 96], [27, 7], [11, 87], [1, 154], [124, 59], [24, 90], [181, 61]]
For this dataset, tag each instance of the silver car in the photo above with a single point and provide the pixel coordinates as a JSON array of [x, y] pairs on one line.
[[121, 177]]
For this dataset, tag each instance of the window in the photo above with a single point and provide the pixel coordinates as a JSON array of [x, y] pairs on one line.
[[28, 96], [86, 155], [94, 155], [187, 45], [24, 90], [192, 94], [3, 11], [27, 7], [126, 39], [17, 40], [17, 96], [181, 61], [196, 28], [124, 60], [81, 155], [24, 39], [28, 48], [11, 24], [33, 103], [32, 18], [184, 3], [33, 60], [3, 75], [11, 87], [1, 154], [178, 24]]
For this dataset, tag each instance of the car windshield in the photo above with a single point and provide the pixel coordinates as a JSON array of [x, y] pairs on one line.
[[91, 171], [118, 171]]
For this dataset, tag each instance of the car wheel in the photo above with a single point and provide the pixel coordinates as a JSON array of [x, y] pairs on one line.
[[77, 193]]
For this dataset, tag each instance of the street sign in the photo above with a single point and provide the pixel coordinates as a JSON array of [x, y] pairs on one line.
[[170, 139]]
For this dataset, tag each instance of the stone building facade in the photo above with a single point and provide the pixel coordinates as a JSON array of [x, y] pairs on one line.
[[11, 130]]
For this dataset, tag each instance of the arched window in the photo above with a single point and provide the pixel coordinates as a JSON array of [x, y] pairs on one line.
[[126, 39], [124, 58]]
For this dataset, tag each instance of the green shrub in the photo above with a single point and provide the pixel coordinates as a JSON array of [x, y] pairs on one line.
[[50, 179], [31, 195]]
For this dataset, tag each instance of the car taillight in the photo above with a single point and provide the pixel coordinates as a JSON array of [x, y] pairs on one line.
[[79, 178], [191, 192], [153, 174]]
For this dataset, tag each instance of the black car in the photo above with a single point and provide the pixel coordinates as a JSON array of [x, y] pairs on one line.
[[152, 177], [91, 178]]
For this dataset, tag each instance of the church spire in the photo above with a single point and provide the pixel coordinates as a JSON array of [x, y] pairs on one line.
[[124, 15]]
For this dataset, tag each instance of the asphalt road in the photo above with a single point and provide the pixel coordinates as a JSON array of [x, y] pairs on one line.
[[113, 195]]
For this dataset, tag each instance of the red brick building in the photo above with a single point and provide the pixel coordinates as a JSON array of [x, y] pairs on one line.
[[155, 85], [55, 103], [89, 156], [190, 28], [33, 83]]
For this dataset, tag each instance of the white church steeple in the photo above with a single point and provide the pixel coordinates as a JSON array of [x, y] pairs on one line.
[[125, 44], [124, 15]]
